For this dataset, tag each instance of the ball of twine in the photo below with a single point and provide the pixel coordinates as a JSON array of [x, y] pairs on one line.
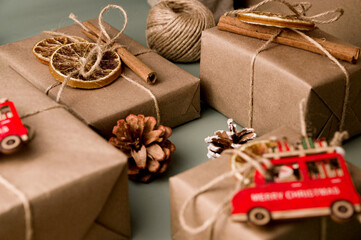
[[174, 29]]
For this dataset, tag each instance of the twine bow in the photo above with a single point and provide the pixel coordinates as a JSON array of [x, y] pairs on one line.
[[299, 10], [99, 50]]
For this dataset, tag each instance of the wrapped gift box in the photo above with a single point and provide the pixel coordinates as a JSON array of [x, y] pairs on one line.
[[206, 204], [176, 90], [283, 76], [76, 182]]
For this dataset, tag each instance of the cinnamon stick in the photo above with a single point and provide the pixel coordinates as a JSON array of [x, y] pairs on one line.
[[134, 63], [289, 38]]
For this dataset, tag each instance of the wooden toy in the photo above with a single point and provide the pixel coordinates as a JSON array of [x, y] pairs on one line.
[[306, 180], [12, 132]]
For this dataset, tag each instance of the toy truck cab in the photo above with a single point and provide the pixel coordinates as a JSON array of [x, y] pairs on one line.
[[312, 185], [12, 132]]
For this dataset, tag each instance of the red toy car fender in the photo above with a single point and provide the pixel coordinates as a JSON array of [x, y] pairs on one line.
[[12, 132]]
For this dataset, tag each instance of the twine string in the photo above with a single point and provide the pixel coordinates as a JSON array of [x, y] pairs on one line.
[[302, 117], [102, 28], [250, 164], [26, 205], [212, 219], [338, 138], [42, 110], [156, 105], [251, 94], [73, 17], [51, 87], [344, 71], [62, 86]]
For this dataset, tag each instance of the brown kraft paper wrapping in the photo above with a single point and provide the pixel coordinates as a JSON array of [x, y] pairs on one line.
[[282, 77], [205, 205], [176, 90], [76, 182]]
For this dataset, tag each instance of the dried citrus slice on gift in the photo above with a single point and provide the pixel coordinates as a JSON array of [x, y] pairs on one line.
[[68, 59], [45, 48], [276, 20]]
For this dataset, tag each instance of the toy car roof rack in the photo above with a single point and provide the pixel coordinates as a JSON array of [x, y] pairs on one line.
[[307, 146]]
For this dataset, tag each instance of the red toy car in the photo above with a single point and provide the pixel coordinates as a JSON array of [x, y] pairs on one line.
[[12, 132], [306, 182]]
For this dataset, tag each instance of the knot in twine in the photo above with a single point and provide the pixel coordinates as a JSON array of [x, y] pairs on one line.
[[98, 51], [174, 29]]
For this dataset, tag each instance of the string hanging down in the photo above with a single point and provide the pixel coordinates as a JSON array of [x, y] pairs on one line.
[[26, 205]]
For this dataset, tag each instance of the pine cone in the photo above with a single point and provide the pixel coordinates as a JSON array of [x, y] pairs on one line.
[[146, 145], [228, 140]]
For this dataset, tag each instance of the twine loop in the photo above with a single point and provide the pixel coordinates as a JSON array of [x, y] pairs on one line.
[[242, 175], [338, 138]]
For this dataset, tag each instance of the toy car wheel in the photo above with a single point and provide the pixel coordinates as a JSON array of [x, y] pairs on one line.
[[259, 216], [10, 143], [342, 210]]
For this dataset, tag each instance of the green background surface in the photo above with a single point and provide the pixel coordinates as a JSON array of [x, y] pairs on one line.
[[149, 202]]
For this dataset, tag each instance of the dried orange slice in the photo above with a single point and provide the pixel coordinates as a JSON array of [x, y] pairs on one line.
[[45, 48], [275, 20], [67, 60]]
